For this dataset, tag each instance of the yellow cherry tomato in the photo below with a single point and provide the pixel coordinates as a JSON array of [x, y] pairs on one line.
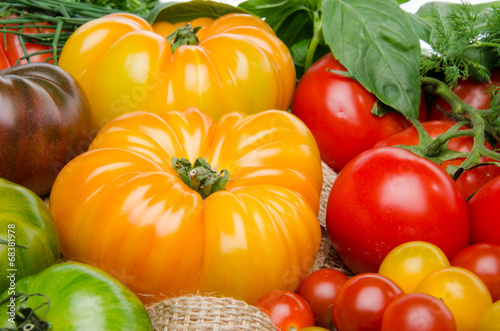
[[409, 263], [462, 291], [123, 207], [490, 321], [124, 64]]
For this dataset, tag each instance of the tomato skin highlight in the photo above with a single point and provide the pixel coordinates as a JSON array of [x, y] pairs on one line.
[[362, 301], [483, 214], [482, 259], [287, 310], [388, 196], [418, 311], [337, 110]]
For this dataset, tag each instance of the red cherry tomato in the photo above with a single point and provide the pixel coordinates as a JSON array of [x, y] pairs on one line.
[[470, 181], [320, 289], [484, 215], [287, 310], [388, 196], [471, 92], [337, 110], [362, 301], [418, 311], [484, 260]]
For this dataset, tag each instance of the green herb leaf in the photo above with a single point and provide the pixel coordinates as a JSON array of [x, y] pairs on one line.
[[297, 23], [175, 12], [421, 27], [376, 43]]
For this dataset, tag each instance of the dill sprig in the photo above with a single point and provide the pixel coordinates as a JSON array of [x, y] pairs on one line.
[[464, 43], [64, 17]]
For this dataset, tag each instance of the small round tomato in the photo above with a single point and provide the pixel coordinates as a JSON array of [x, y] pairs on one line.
[[483, 260], [490, 321], [409, 263], [287, 310], [483, 214], [387, 196], [319, 289], [462, 291], [337, 110], [471, 180], [471, 92], [418, 311], [362, 301]]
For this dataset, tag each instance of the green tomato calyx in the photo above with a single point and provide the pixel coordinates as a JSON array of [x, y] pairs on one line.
[[184, 35], [200, 176]]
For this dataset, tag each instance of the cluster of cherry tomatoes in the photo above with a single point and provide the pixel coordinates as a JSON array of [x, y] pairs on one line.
[[416, 288]]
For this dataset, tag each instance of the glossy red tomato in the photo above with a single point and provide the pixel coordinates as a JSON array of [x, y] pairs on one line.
[[418, 312], [319, 289], [388, 196], [484, 260], [362, 301], [470, 181], [468, 90], [287, 310], [11, 49], [483, 214], [337, 110]]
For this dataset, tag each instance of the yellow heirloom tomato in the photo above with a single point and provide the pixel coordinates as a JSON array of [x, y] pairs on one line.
[[233, 63], [134, 206]]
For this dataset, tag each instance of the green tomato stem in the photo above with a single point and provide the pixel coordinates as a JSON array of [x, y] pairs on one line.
[[200, 177], [316, 39]]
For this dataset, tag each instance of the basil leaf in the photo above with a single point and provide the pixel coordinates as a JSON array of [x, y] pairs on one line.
[[276, 12], [376, 43], [421, 27], [174, 12]]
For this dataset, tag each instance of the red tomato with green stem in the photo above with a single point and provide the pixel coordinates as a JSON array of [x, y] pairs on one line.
[[287, 310], [319, 289], [471, 180], [362, 301], [388, 196], [483, 259], [337, 110], [418, 311], [471, 92], [483, 214]]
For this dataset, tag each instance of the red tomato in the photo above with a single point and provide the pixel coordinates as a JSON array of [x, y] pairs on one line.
[[320, 289], [12, 49], [468, 90], [483, 214], [418, 311], [388, 196], [337, 110], [362, 301], [470, 181], [287, 310], [483, 260]]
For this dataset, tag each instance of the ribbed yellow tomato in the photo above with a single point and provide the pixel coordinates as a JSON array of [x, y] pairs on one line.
[[123, 207], [125, 64]]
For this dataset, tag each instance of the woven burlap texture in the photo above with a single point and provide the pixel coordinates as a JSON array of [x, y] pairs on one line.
[[197, 313]]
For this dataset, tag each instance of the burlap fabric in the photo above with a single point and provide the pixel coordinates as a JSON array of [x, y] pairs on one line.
[[199, 313]]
